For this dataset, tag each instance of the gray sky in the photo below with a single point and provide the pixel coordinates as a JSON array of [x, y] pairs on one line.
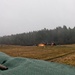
[[18, 16]]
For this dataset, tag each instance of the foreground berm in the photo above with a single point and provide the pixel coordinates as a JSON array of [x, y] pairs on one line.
[[25, 66]]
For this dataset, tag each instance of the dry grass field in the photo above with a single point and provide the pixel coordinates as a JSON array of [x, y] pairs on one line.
[[60, 53]]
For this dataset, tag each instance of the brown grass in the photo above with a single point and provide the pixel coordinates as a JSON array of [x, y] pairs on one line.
[[61, 53]]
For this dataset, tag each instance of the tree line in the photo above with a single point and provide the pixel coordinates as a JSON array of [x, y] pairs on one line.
[[59, 35]]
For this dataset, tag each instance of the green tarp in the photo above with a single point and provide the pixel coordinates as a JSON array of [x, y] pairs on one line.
[[25, 66]]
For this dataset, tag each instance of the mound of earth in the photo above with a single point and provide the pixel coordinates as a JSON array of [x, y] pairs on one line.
[[25, 66]]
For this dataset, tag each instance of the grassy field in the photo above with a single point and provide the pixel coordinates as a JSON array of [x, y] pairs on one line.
[[61, 53]]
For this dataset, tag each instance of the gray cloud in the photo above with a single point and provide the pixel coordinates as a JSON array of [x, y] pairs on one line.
[[17, 16]]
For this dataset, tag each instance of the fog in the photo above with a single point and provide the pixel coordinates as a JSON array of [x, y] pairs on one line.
[[18, 16]]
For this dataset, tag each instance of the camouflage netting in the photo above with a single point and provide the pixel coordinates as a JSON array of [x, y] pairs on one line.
[[25, 66]]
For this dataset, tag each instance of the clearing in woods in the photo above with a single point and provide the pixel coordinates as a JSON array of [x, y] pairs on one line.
[[60, 53]]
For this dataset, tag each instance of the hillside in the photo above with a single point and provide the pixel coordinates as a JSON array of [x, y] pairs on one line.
[[59, 35]]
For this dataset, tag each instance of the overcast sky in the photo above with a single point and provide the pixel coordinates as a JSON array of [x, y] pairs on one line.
[[18, 16]]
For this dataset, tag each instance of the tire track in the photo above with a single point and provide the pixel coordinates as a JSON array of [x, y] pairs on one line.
[[59, 56]]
